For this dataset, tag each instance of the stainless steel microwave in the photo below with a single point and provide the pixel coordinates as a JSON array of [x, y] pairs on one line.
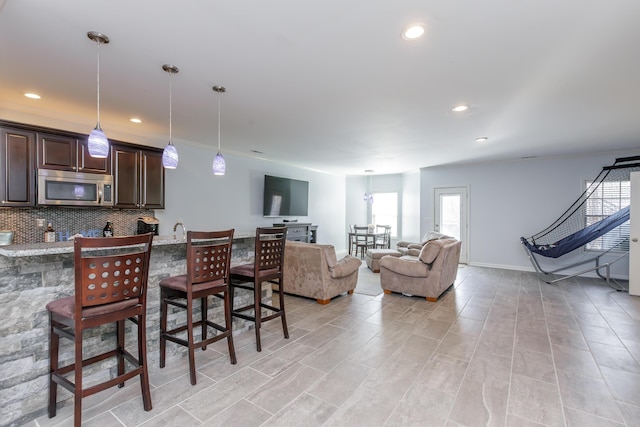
[[62, 188]]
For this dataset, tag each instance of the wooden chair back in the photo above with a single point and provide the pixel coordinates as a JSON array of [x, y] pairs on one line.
[[110, 269], [208, 256]]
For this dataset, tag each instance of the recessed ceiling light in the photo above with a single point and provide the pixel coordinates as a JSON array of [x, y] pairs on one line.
[[369, 171], [32, 95], [460, 108], [135, 120], [481, 139], [413, 31]]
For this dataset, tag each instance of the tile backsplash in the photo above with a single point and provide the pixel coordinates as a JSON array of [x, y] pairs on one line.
[[68, 221]]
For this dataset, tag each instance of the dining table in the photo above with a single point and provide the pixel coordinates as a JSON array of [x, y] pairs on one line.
[[371, 238]]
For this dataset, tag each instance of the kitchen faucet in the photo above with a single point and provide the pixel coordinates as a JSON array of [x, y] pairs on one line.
[[184, 230]]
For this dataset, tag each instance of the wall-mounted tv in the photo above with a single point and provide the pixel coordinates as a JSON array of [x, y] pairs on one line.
[[285, 197]]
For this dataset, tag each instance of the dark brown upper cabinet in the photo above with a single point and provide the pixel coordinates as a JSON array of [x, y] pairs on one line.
[[17, 177], [138, 177], [67, 153]]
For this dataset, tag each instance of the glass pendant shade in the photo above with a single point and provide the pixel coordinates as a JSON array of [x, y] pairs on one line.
[[98, 143], [170, 156], [219, 165]]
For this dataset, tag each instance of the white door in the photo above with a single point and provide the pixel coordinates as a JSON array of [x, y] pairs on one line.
[[450, 216], [634, 235]]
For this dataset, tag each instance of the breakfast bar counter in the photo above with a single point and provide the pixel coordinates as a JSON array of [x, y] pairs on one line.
[[32, 275]]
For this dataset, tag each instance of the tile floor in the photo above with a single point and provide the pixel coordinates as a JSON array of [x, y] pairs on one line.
[[502, 349]]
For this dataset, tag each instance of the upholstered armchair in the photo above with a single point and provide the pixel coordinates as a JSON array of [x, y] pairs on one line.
[[428, 275], [313, 271]]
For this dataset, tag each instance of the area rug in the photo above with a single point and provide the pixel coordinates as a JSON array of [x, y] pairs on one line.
[[368, 282]]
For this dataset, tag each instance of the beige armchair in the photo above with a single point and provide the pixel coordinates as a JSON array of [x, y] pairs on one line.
[[427, 275], [313, 271]]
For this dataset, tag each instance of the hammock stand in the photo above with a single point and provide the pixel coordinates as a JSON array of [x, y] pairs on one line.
[[568, 232]]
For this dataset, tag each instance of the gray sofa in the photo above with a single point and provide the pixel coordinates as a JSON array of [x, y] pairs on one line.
[[428, 275], [313, 271]]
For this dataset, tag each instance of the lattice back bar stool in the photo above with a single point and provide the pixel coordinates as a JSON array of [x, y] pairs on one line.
[[267, 267], [208, 261], [110, 286]]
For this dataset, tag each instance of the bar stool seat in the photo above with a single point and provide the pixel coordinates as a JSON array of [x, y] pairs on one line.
[[110, 287], [208, 261]]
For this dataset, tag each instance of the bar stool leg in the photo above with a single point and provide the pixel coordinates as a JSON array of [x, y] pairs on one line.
[[190, 346], [163, 328], [54, 344], [142, 356], [257, 299], [77, 393], [284, 317], [204, 316], [229, 324], [120, 338]]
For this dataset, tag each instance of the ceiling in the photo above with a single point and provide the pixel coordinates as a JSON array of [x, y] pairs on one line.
[[331, 85]]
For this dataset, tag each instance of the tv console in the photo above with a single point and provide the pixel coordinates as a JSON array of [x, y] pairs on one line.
[[300, 231]]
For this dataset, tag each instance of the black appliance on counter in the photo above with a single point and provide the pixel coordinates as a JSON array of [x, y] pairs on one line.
[[148, 224]]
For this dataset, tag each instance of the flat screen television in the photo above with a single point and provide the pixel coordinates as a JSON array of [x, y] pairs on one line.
[[285, 197]]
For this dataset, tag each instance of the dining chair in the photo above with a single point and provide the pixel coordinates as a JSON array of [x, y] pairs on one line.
[[363, 240], [383, 237], [267, 267], [208, 261], [352, 238], [110, 280]]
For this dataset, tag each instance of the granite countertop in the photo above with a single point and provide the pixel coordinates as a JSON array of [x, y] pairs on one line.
[[35, 249]]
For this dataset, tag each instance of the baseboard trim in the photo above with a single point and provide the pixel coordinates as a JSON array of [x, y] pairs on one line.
[[532, 270]]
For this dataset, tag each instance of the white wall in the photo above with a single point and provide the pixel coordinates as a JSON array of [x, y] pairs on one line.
[[511, 199], [356, 208], [410, 212], [206, 202]]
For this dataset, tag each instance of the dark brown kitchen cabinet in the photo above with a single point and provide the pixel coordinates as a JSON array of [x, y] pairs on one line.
[[138, 177], [67, 153], [17, 177]]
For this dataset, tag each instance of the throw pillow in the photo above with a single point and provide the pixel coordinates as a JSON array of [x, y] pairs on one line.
[[431, 250]]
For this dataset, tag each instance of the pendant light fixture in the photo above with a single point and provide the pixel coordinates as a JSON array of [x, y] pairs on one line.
[[219, 166], [368, 195], [98, 142], [170, 154]]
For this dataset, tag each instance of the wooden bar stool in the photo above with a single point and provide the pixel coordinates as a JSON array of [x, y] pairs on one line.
[[110, 286], [267, 267], [208, 261]]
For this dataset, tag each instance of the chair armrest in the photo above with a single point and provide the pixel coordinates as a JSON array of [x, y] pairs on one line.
[[417, 246], [346, 266], [403, 244]]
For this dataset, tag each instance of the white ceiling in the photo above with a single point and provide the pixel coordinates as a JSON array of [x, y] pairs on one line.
[[330, 85]]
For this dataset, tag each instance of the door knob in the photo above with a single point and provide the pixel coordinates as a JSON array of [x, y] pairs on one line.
[[635, 239]]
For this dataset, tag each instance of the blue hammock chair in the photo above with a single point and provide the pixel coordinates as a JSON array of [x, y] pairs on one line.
[[581, 237], [569, 233]]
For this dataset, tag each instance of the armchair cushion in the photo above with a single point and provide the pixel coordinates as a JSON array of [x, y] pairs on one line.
[[430, 250]]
